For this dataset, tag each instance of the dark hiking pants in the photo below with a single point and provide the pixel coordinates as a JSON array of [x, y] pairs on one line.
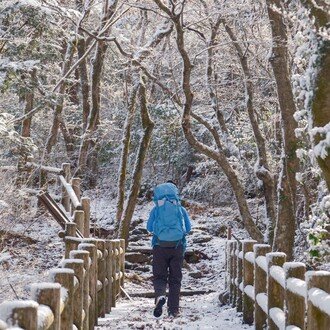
[[167, 268]]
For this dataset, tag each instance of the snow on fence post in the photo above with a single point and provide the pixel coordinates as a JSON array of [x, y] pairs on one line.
[[260, 284], [71, 243], [114, 270], [108, 302], [122, 262], [275, 289], [79, 219], [84, 255], [234, 272], [3, 325], [48, 294], [65, 277], [20, 314], [91, 248], [318, 300], [78, 268], [295, 302], [101, 277], [75, 183], [85, 203], [239, 276], [65, 196], [248, 279]]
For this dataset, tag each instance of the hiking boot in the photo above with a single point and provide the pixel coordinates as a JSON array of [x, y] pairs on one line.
[[173, 314], [160, 301]]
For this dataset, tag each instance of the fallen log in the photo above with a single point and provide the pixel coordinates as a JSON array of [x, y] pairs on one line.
[[184, 293]]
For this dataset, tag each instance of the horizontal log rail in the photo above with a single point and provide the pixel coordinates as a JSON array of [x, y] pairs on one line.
[[273, 293], [87, 281], [84, 287]]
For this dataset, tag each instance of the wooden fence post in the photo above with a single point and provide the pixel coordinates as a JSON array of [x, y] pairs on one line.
[[49, 294], [108, 304], [85, 203], [233, 272], [65, 277], [65, 197], [248, 279], [78, 267], [101, 270], [117, 261], [122, 262], [114, 272], [275, 291], [92, 249], [295, 304], [227, 258], [260, 283], [84, 255], [75, 183], [318, 282], [229, 248], [71, 243], [20, 313], [78, 219], [239, 293]]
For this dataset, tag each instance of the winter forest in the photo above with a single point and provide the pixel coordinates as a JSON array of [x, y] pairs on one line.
[[228, 99]]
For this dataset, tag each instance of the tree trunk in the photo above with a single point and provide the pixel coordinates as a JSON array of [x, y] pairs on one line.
[[148, 126], [262, 169], [219, 157], [286, 222], [124, 155], [60, 99], [29, 101], [94, 114]]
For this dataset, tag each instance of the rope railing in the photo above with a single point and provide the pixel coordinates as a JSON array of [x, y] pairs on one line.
[[273, 293]]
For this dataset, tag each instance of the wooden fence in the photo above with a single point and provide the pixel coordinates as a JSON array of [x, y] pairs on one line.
[[273, 293], [87, 281]]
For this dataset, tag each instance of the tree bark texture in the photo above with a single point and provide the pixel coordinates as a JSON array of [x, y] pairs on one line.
[[286, 222], [124, 155], [58, 110], [147, 125], [219, 157], [29, 101], [263, 170], [94, 112]]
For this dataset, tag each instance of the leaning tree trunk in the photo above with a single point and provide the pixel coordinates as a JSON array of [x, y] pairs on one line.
[[148, 126], [124, 155], [286, 221], [218, 156], [58, 110], [262, 167]]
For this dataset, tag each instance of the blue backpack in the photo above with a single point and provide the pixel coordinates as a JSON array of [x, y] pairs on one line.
[[168, 225]]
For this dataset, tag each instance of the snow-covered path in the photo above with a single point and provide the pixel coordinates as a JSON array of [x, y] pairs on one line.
[[197, 312]]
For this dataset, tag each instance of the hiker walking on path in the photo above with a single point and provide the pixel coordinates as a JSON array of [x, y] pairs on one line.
[[169, 223]]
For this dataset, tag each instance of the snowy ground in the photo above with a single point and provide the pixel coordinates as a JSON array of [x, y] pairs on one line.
[[26, 259], [197, 312]]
